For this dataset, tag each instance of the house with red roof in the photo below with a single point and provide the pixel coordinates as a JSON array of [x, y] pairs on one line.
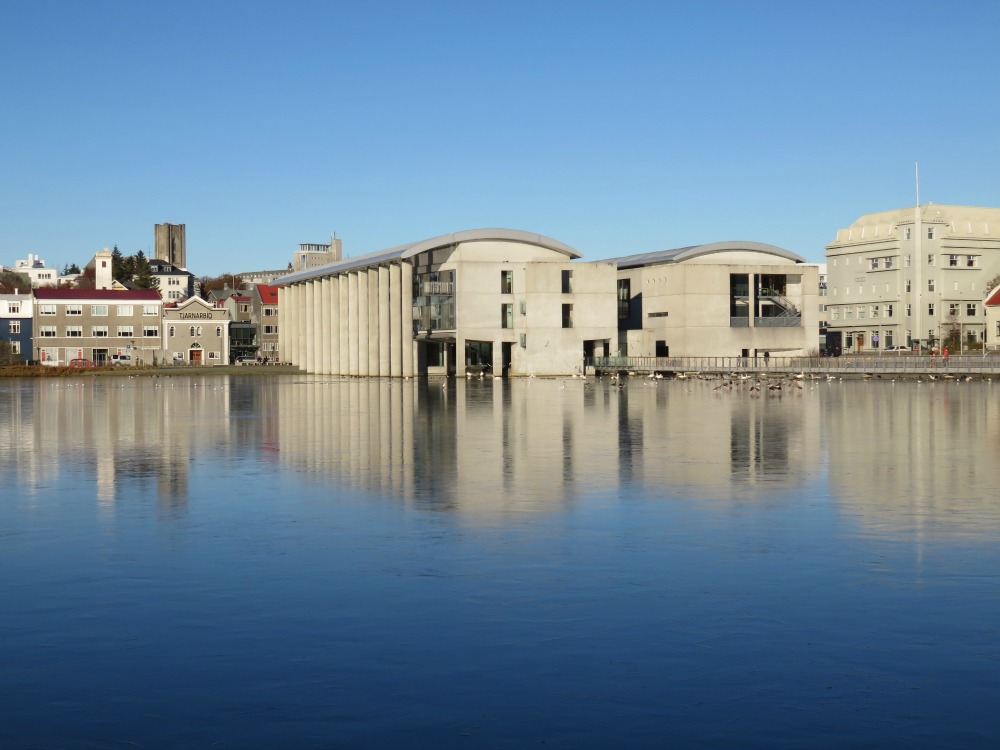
[[264, 314], [97, 325], [992, 305]]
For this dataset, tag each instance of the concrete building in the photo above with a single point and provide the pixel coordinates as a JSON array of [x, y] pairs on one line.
[[913, 276], [16, 324], [488, 299], [93, 324], [196, 332], [314, 255], [725, 299], [35, 269], [170, 244]]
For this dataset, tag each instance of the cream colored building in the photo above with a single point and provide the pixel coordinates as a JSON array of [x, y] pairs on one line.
[[500, 300], [196, 332], [918, 274], [724, 299]]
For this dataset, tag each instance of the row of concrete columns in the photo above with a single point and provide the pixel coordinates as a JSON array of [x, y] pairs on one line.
[[356, 323]]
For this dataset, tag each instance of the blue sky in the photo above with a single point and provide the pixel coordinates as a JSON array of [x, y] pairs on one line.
[[613, 127]]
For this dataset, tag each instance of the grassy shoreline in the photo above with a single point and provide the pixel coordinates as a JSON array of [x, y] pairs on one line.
[[44, 371]]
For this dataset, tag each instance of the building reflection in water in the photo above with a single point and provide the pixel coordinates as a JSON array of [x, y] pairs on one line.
[[894, 458]]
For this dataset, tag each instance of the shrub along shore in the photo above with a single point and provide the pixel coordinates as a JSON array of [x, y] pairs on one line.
[[47, 371]]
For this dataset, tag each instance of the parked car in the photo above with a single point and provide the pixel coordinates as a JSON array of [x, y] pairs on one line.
[[80, 363], [897, 349], [121, 359], [246, 360]]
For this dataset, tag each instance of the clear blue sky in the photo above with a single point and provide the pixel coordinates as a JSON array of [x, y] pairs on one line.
[[616, 127]]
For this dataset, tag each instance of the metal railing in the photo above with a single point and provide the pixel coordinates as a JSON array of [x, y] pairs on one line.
[[904, 364]]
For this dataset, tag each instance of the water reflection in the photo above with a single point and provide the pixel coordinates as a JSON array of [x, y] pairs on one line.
[[897, 458]]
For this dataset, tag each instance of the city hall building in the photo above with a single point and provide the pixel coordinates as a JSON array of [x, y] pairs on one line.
[[501, 301]]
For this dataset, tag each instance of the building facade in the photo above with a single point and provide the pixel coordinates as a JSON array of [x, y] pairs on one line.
[[93, 324], [913, 277], [264, 314], [174, 283], [725, 299], [170, 244], [313, 254], [35, 270], [497, 300], [16, 324], [196, 332]]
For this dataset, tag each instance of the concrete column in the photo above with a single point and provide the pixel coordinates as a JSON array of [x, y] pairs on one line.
[[373, 329], [299, 327], [395, 324], [352, 324], [324, 326], [344, 326], [406, 334], [310, 326], [335, 325], [383, 322], [363, 338], [285, 306]]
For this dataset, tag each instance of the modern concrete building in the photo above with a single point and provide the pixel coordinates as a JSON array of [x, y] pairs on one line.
[[724, 299], [314, 255], [170, 244], [16, 324], [196, 332], [913, 276], [93, 324], [503, 300]]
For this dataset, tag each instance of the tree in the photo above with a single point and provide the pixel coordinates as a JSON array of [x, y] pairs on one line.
[[70, 269], [223, 281], [7, 356], [11, 281], [118, 265], [991, 285], [143, 278], [87, 279]]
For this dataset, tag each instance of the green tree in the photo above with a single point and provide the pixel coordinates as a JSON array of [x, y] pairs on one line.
[[70, 268], [7, 356], [11, 281], [143, 277], [118, 265]]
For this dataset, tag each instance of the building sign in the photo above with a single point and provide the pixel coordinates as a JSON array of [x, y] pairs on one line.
[[198, 316]]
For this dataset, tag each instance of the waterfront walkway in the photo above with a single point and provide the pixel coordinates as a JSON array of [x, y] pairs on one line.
[[905, 365]]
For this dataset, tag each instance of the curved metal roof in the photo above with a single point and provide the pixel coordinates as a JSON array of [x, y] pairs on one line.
[[401, 252], [680, 254]]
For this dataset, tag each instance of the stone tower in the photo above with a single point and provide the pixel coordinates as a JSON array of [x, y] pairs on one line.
[[170, 244]]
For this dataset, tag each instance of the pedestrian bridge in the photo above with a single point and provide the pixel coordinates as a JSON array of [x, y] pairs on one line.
[[905, 364]]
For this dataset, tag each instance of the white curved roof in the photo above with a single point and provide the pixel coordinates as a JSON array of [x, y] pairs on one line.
[[680, 254], [401, 252]]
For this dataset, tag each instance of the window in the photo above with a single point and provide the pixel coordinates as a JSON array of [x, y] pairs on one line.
[[955, 286], [888, 338], [567, 285], [909, 336], [174, 295], [953, 308], [624, 298], [15, 308], [270, 312], [218, 331], [125, 332], [75, 332], [507, 316], [908, 289], [848, 313], [151, 332], [100, 310], [567, 315], [15, 347], [970, 309], [124, 310], [873, 264], [930, 233], [836, 313], [172, 331], [930, 259], [971, 261], [48, 332], [861, 312], [100, 332], [270, 329], [930, 285], [150, 309], [74, 309], [930, 308], [906, 260], [909, 310], [953, 260], [506, 282], [15, 326], [888, 263], [191, 331], [874, 339], [874, 311], [907, 233], [244, 308]]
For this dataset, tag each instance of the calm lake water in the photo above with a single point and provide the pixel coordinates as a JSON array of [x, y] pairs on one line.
[[305, 562]]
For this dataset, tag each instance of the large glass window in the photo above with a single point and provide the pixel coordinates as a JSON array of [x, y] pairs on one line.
[[506, 282], [124, 310], [567, 316], [507, 316], [625, 299], [74, 331], [74, 309], [100, 332], [567, 285], [99, 310]]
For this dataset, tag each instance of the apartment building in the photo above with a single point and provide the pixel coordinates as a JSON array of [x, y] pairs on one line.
[[93, 324]]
